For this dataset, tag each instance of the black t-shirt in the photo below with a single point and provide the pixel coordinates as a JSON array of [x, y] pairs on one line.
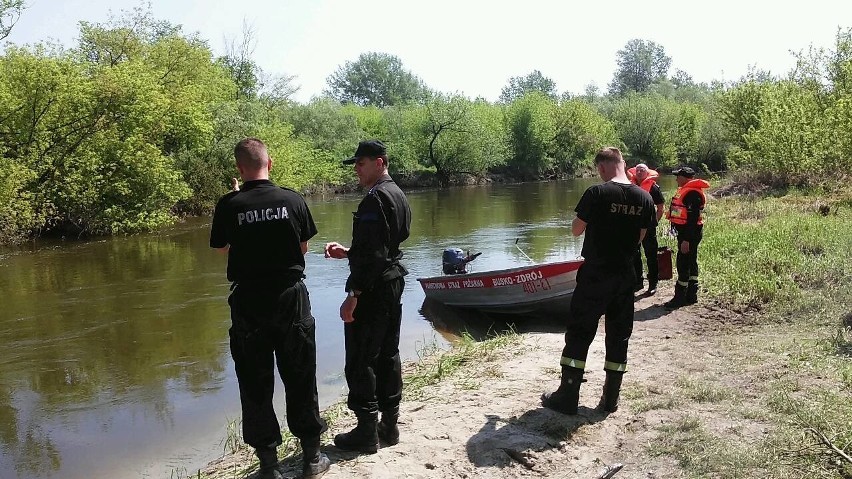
[[614, 213], [657, 198], [265, 226]]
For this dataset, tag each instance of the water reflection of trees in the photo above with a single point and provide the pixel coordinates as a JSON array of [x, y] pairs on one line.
[[117, 322]]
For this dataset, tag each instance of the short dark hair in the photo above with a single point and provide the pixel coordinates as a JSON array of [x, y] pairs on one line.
[[251, 153], [609, 154]]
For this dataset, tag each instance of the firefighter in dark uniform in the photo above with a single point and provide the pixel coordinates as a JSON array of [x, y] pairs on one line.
[[615, 216], [372, 311], [685, 214], [265, 229]]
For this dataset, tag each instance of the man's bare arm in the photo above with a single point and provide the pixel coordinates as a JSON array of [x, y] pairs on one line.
[[578, 226]]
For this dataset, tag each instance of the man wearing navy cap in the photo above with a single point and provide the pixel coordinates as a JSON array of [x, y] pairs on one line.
[[372, 310], [685, 214]]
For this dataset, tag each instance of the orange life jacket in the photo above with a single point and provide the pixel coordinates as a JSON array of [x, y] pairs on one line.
[[677, 210], [649, 180]]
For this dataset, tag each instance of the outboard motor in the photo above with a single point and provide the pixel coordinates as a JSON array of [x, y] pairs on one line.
[[455, 261]]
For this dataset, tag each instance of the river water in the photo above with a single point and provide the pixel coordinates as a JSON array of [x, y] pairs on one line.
[[115, 358]]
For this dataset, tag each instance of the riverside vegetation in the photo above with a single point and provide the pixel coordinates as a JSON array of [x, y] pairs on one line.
[[133, 126]]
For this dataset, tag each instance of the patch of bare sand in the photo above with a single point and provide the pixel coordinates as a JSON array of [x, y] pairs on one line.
[[489, 423]]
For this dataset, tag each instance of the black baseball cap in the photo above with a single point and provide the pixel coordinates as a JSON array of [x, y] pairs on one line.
[[684, 171], [368, 148]]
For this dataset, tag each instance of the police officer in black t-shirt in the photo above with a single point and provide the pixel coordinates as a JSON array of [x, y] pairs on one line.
[[372, 311], [265, 231], [614, 216]]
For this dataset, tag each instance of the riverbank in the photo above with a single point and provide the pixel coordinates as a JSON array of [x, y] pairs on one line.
[[754, 381]]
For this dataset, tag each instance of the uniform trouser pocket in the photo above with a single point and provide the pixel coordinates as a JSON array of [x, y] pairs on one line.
[[373, 371], [296, 356], [275, 326]]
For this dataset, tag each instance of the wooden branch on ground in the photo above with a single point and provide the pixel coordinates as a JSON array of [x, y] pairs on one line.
[[610, 470], [828, 443]]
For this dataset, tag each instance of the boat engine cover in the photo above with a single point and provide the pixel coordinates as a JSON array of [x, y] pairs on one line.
[[454, 261]]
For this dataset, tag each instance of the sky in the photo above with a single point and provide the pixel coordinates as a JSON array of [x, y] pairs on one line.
[[474, 47]]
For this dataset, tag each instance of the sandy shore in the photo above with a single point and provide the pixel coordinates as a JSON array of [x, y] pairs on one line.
[[486, 421]]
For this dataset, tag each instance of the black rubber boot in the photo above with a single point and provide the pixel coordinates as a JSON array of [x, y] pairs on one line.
[[567, 397], [611, 389], [269, 468], [692, 292], [387, 429], [679, 298], [314, 462], [364, 438], [652, 286]]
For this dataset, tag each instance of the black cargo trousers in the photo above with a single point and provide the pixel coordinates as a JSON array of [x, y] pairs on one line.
[[650, 245], [602, 290], [272, 324], [373, 370], [687, 263]]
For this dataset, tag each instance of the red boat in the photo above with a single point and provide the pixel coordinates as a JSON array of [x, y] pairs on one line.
[[526, 289]]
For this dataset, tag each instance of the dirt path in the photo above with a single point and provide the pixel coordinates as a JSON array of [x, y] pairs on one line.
[[487, 422]]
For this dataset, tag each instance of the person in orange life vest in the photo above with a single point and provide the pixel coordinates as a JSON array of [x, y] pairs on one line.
[[687, 220], [647, 180]]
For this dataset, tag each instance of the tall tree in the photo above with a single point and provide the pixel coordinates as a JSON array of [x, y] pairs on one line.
[[376, 79], [238, 61], [532, 126], [10, 12], [640, 64], [519, 86]]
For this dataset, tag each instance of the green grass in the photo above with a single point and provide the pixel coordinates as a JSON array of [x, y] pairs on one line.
[[704, 391], [436, 365], [778, 259], [701, 454], [786, 263]]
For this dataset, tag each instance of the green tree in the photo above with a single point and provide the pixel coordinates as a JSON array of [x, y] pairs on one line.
[[326, 124], [377, 79], [531, 123], [10, 12], [580, 132], [295, 164], [520, 86], [646, 125], [454, 135], [239, 64], [740, 107], [640, 64], [713, 142], [793, 139]]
